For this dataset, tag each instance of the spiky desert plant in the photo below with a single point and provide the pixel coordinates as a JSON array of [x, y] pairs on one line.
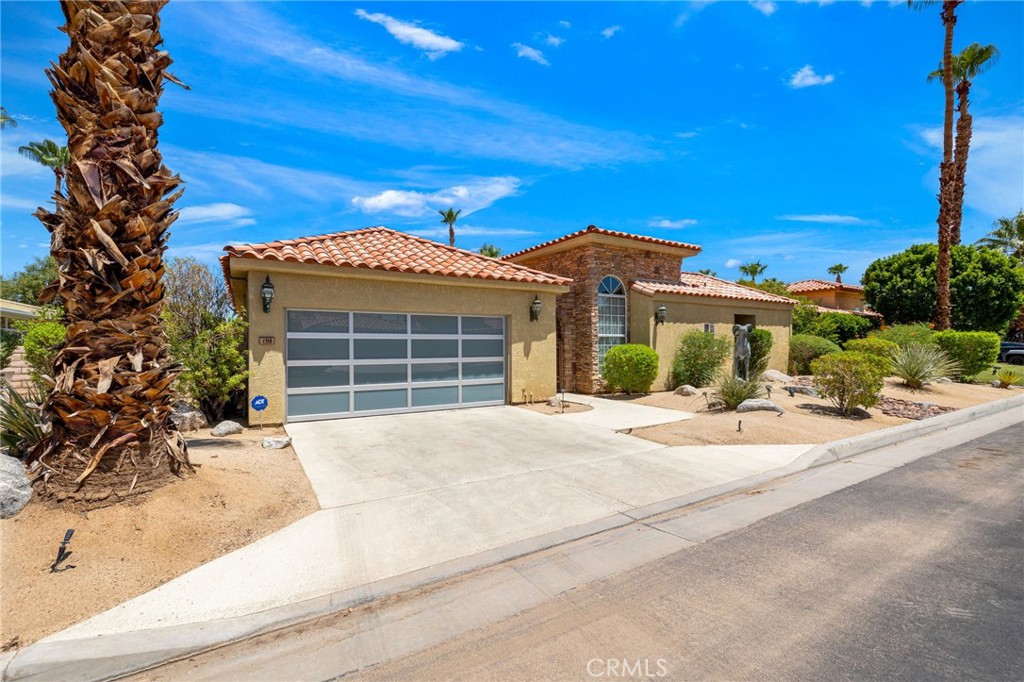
[[1006, 377], [918, 364], [732, 390], [111, 401], [22, 419]]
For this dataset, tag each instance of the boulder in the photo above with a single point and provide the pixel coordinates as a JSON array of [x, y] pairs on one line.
[[997, 383], [276, 442], [226, 428], [687, 389], [189, 420], [755, 404], [554, 402], [776, 375], [944, 380], [803, 390], [15, 490], [926, 405]]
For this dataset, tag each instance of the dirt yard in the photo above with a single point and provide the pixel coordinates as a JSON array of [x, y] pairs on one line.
[[239, 493], [806, 420]]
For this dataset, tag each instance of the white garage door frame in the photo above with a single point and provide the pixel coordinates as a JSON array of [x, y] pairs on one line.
[[342, 364]]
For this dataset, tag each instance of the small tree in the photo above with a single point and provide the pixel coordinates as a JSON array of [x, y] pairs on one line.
[[490, 250], [838, 269], [448, 218], [849, 379], [753, 270], [841, 327], [698, 358], [26, 284], [633, 367]]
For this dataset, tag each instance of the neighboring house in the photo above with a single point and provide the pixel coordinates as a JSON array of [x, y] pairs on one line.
[[620, 281], [833, 297], [16, 373], [15, 310]]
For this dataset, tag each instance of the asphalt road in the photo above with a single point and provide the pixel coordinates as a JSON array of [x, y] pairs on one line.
[[917, 574]]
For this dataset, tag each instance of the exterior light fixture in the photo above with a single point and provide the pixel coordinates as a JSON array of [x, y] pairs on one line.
[[267, 292], [535, 309], [660, 314]]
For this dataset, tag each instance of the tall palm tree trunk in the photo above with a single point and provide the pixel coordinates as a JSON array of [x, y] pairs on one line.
[[943, 313], [963, 147], [111, 399]]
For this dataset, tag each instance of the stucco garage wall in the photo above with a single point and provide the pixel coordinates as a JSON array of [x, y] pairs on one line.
[[531, 345], [692, 313]]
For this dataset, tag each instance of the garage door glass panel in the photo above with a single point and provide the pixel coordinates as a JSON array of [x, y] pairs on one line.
[[367, 401], [483, 394], [317, 403], [435, 371], [381, 374], [492, 326], [435, 348], [379, 323], [313, 321], [435, 324], [483, 348], [381, 349], [317, 349], [483, 370], [317, 376], [444, 395]]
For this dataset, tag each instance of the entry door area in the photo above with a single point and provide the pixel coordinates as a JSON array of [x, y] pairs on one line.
[[346, 364]]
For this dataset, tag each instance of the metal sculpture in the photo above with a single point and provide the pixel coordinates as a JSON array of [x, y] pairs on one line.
[[741, 350]]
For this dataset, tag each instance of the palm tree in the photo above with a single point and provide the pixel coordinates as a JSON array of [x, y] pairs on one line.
[[708, 271], [972, 61], [448, 218], [1008, 237], [50, 154], [111, 399], [6, 120], [490, 250], [838, 269], [753, 270]]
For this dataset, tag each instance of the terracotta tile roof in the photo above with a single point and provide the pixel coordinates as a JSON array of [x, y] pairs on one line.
[[608, 233], [380, 248], [696, 284], [806, 285]]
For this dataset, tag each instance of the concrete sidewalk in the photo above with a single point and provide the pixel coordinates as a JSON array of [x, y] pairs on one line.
[[392, 540], [621, 414]]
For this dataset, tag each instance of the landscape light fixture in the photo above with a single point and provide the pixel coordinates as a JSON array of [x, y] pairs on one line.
[[267, 291], [660, 315], [535, 309]]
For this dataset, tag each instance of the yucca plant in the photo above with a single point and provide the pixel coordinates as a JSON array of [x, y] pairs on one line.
[[732, 390], [1006, 378], [918, 364], [22, 418]]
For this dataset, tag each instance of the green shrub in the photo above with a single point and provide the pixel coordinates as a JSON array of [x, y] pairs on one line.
[[905, 334], [215, 364], [804, 316], [732, 390], [849, 379], [633, 367], [42, 341], [1007, 377], [803, 348], [919, 364], [872, 345], [9, 340], [841, 327], [972, 351], [760, 351], [698, 358]]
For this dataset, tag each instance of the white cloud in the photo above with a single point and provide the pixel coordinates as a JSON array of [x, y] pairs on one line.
[[764, 7], [733, 263], [564, 24], [531, 53], [691, 9], [806, 77], [225, 214], [687, 134], [469, 197], [610, 31], [554, 41], [463, 230], [434, 44], [667, 224], [829, 218]]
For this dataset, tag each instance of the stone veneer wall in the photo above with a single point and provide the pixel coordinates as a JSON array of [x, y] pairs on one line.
[[576, 311]]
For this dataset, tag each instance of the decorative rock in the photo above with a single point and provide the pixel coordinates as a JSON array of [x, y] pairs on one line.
[[276, 442], [190, 420], [687, 389], [944, 380], [554, 402], [803, 390], [926, 405], [226, 428], [776, 375], [15, 491], [755, 404], [996, 383]]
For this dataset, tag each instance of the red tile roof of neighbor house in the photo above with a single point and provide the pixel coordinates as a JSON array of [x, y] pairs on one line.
[[381, 248], [806, 285], [608, 233], [697, 284]]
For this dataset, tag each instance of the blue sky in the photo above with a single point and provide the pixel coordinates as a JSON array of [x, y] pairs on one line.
[[798, 133]]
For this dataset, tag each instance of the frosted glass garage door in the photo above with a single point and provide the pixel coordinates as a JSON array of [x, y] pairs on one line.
[[346, 364]]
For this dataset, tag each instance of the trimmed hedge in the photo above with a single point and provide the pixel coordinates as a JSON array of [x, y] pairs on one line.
[[905, 334], [633, 367], [699, 356], [760, 351], [972, 351], [849, 379], [42, 341], [841, 327], [804, 348], [873, 345]]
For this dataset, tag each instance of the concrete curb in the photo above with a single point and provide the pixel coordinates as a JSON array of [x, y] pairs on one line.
[[116, 655]]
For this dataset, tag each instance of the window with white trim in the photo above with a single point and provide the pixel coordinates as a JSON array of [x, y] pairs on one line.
[[709, 327], [611, 316]]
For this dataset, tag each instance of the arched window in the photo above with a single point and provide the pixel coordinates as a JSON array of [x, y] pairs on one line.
[[611, 316]]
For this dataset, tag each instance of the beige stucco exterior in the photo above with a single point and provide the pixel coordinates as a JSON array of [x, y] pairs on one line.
[[686, 313], [838, 299], [531, 346]]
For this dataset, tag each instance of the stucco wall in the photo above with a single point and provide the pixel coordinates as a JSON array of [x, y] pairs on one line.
[[686, 314], [840, 300], [530, 345]]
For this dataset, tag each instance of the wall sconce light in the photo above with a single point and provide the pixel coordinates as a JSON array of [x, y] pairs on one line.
[[267, 291], [660, 315], [535, 309]]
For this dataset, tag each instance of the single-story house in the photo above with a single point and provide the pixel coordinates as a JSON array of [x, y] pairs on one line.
[[15, 310], [832, 297], [376, 321]]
